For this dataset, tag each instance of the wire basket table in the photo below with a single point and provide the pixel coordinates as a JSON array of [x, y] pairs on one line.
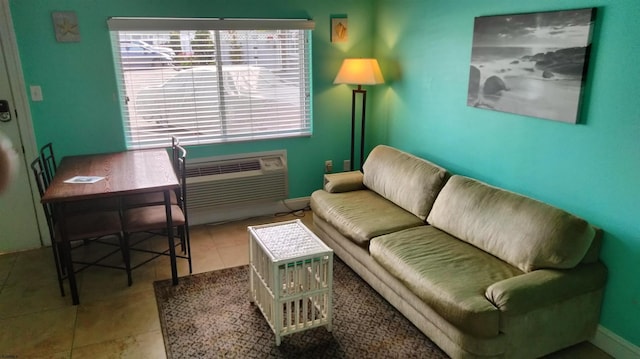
[[290, 277]]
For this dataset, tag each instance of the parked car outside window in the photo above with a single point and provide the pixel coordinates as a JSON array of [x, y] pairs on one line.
[[160, 49], [136, 56], [192, 99]]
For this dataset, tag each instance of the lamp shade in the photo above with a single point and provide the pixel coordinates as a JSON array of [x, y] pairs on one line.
[[359, 72]]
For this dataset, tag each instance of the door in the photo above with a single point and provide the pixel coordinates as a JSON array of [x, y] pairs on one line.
[[19, 229]]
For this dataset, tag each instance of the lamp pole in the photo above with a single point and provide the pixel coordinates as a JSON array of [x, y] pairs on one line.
[[354, 94], [359, 72], [362, 123]]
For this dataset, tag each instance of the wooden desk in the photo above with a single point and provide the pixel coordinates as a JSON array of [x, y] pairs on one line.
[[125, 173]]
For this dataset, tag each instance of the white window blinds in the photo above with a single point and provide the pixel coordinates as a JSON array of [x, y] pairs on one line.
[[212, 80]]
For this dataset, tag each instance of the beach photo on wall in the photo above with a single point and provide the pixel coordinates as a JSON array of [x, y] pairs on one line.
[[531, 64]]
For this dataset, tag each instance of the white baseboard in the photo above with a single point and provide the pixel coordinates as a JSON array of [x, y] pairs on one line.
[[614, 345], [238, 212]]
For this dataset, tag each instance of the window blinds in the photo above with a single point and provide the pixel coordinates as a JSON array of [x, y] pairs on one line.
[[212, 80]]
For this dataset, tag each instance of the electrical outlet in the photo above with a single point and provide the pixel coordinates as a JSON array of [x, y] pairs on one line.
[[328, 166], [346, 165]]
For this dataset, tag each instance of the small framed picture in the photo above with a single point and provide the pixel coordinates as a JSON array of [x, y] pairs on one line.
[[339, 29], [65, 25]]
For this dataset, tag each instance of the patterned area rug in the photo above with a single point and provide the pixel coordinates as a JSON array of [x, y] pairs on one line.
[[208, 315]]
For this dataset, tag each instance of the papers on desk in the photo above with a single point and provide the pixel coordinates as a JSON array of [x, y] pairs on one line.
[[84, 179]]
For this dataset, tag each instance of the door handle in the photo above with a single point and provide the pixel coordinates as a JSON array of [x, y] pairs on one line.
[[5, 112]]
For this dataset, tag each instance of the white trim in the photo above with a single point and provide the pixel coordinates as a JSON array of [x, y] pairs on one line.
[[21, 104], [18, 86], [614, 345], [238, 212], [168, 23]]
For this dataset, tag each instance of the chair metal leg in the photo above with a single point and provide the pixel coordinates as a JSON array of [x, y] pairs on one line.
[[183, 246], [170, 239], [126, 255], [188, 246], [57, 260], [71, 275]]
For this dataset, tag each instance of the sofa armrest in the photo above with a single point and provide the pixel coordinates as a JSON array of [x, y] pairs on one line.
[[543, 287], [343, 182]]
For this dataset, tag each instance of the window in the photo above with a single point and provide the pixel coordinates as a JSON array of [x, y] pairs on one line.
[[212, 80]]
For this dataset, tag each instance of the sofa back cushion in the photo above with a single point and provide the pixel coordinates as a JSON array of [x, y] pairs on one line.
[[521, 231], [410, 182]]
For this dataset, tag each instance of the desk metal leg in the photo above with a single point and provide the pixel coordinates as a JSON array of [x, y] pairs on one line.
[[66, 253], [73, 285], [172, 247]]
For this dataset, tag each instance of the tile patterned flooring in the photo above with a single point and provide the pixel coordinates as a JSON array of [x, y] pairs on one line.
[[114, 320]]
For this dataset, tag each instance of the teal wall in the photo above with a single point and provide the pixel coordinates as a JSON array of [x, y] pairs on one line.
[[80, 113], [591, 169]]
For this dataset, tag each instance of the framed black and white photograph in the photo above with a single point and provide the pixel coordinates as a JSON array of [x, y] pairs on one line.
[[531, 64]]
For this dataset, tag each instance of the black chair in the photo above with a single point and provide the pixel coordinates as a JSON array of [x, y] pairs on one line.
[[42, 181], [48, 161], [50, 166], [84, 228], [152, 219], [175, 153]]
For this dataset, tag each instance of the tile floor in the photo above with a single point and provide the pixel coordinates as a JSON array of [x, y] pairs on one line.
[[114, 320]]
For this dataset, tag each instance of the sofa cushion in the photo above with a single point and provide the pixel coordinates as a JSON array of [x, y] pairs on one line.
[[361, 215], [406, 180], [522, 231], [449, 275]]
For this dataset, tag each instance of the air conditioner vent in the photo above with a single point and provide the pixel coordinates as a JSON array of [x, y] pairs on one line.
[[237, 179], [222, 167]]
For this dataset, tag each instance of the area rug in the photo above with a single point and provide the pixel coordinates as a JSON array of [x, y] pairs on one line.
[[209, 315]]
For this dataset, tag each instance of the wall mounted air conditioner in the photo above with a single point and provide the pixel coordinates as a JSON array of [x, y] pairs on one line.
[[237, 179]]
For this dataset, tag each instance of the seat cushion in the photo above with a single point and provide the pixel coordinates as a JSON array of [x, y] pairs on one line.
[[449, 275], [522, 231], [406, 180], [147, 199], [361, 215], [90, 224], [151, 217]]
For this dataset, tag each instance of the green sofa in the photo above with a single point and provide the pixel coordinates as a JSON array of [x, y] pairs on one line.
[[483, 272]]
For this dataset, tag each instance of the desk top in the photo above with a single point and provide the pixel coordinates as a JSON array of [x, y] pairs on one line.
[[124, 173]]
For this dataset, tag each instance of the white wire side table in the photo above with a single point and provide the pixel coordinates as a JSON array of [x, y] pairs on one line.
[[290, 277]]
